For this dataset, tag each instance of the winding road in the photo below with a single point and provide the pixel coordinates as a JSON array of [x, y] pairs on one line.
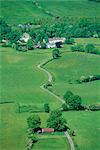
[[40, 67]]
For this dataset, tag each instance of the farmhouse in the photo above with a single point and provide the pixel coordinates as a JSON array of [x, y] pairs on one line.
[[25, 37], [55, 42]]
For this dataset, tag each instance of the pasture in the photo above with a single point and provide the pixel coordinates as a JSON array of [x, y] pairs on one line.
[[70, 67], [87, 129], [20, 84], [26, 11]]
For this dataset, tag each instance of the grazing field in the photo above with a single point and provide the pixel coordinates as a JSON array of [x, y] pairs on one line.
[[19, 11], [51, 141], [70, 67], [71, 7], [13, 127], [20, 83], [21, 79], [87, 129]]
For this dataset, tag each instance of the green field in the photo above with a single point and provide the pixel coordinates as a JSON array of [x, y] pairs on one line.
[[71, 66], [20, 84], [19, 11], [87, 129], [71, 7], [54, 141]]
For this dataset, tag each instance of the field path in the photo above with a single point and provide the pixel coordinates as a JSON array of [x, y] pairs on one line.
[[40, 66], [70, 141]]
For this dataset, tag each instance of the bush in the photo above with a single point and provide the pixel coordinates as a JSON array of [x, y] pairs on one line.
[[89, 48], [78, 47], [94, 108], [55, 53], [46, 108], [69, 41], [65, 107]]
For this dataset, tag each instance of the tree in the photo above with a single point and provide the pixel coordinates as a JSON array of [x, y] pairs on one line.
[[55, 53], [73, 101], [67, 95], [76, 103], [43, 45], [46, 108], [69, 40], [78, 47], [56, 121], [65, 107], [89, 48], [34, 122], [30, 44]]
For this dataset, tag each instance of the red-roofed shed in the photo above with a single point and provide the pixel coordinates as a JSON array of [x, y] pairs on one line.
[[48, 130]]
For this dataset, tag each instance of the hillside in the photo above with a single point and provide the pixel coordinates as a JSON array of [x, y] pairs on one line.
[[26, 11]]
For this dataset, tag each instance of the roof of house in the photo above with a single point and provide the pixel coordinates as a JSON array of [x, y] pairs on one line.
[[54, 40], [25, 37], [47, 129]]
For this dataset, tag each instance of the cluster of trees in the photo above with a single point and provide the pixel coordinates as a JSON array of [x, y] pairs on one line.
[[89, 48], [42, 30], [84, 79], [55, 120], [72, 102]]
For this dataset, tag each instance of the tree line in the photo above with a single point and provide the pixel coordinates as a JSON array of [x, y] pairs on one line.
[[62, 27]]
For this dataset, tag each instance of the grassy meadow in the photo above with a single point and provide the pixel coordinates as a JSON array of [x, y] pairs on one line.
[[19, 11], [87, 129], [71, 66], [20, 83]]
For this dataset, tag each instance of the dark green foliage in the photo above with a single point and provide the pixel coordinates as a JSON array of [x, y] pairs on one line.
[[90, 78], [34, 122], [72, 102], [30, 44], [78, 47], [33, 138], [94, 108], [56, 53], [43, 45], [95, 0], [89, 48], [67, 95], [46, 108], [69, 40], [65, 107], [4, 29], [56, 121]]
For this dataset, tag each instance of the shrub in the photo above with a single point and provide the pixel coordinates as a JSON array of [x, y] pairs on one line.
[[78, 47], [55, 53], [65, 107], [46, 108], [94, 108]]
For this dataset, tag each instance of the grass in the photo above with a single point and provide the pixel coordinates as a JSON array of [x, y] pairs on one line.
[[15, 12], [20, 83], [87, 129], [54, 142], [21, 79], [13, 128], [71, 66], [19, 11], [76, 8]]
